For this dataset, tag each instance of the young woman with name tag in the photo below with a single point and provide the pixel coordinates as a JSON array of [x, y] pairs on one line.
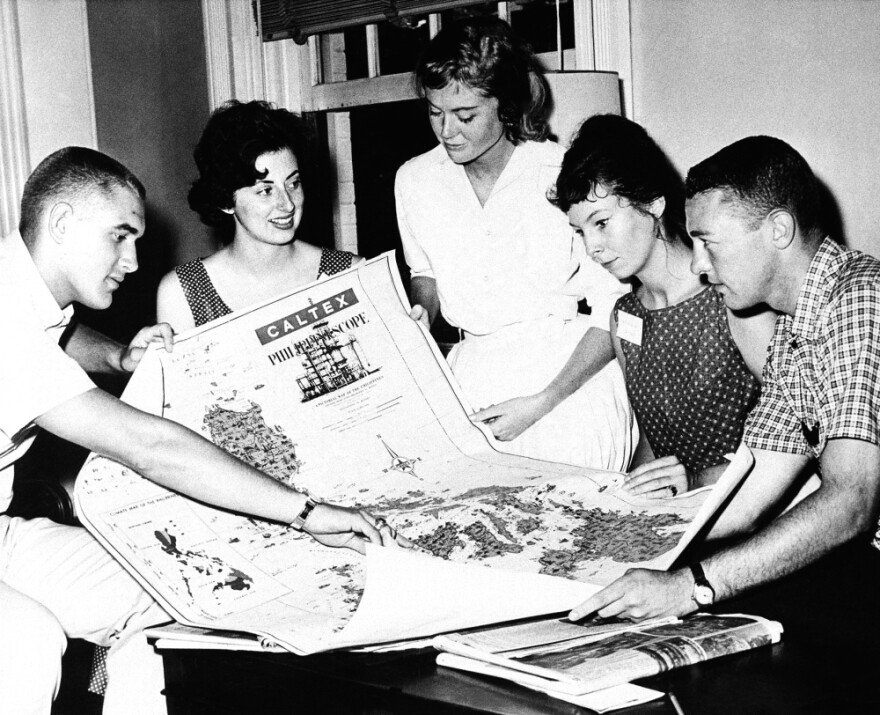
[[252, 160], [691, 365]]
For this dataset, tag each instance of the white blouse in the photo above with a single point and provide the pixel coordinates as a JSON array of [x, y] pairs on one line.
[[511, 260]]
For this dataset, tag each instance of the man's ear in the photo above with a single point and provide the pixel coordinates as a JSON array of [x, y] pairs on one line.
[[783, 227], [60, 217]]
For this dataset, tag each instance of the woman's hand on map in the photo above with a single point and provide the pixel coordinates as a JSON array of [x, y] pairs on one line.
[[509, 419], [659, 478], [339, 526], [640, 594]]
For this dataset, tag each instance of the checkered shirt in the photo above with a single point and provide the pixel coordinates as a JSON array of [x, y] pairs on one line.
[[822, 376]]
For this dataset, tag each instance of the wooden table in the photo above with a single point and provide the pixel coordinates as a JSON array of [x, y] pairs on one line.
[[786, 678]]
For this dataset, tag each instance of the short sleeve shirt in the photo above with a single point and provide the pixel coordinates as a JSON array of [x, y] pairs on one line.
[[35, 373], [510, 260], [822, 376]]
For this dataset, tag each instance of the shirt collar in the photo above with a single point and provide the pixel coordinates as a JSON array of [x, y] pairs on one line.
[[817, 287], [512, 169], [21, 268]]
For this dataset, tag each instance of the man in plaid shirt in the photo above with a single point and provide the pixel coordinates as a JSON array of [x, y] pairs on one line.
[[752, 211]]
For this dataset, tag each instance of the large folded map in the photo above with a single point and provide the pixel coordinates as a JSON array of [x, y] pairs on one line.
[[336, 390]]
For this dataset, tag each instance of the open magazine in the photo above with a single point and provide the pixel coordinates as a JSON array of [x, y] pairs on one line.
[[335, 390], [584, 666]]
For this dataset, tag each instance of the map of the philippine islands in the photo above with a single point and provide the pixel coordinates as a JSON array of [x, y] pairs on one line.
[[335, 390]]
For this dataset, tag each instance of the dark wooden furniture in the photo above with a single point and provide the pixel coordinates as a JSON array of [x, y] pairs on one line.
[[790, 677]]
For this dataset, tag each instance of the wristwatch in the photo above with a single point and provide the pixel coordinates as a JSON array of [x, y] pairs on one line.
[[703, 593], [300, 520]]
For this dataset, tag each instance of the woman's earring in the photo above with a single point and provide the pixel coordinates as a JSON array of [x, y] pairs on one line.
[[658, 230]]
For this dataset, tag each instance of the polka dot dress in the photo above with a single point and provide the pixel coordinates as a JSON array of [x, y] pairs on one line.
[[204, 301], [207, 305], [333, 261], [687, 382]]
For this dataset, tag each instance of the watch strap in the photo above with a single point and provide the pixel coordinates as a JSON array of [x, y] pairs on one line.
[[300, 520], [702, 583]]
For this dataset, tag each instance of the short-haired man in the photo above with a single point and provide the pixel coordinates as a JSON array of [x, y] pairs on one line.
[[81, 215], [752, 211]]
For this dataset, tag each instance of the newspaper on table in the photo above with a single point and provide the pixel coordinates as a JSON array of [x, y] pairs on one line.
[[336, 390], [617, 659], [544, 634]]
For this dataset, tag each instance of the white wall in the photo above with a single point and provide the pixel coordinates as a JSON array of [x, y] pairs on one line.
[[708, 72], [46, 97], [56, 69]]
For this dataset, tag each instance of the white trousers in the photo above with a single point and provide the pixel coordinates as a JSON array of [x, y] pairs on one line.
[[57, 582]]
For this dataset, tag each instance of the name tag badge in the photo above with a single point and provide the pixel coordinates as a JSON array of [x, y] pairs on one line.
[[629, 328]]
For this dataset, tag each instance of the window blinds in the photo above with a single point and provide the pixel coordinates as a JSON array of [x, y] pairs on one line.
[[297, 19]]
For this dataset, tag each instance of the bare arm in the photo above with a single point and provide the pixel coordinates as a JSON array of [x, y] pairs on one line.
[[424, 299], [593, 352], [845, 506], [96, 353], [765, 488], [185, 462], [511, 418]]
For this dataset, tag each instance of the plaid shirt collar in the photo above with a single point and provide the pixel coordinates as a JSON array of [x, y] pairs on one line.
[[816, 289]]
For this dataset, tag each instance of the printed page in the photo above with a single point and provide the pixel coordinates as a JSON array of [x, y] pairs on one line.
[[335, 390], [618, 658], [641, 653], [542, 635]]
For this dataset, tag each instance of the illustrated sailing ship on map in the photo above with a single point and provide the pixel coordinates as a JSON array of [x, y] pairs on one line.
[[502, 537]]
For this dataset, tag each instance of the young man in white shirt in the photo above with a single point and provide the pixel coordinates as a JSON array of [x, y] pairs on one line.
[[82, 213]]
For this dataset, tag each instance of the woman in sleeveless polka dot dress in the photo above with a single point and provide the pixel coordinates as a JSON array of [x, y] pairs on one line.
[[691, 365], [251, 160]]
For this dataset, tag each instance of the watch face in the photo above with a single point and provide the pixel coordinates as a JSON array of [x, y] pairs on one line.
[[703, 595]]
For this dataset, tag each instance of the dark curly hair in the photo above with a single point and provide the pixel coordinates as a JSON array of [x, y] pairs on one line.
[[617, 154], [236, 135], [485, 55], [760, 174]]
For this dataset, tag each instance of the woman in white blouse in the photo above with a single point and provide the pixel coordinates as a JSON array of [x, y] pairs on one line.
[[486, 247]]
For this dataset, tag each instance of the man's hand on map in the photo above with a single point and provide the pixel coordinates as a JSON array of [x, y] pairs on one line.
[[390, 537], [509, 419], [659, 478], [338, 526], [641, 594], [132, 354]]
